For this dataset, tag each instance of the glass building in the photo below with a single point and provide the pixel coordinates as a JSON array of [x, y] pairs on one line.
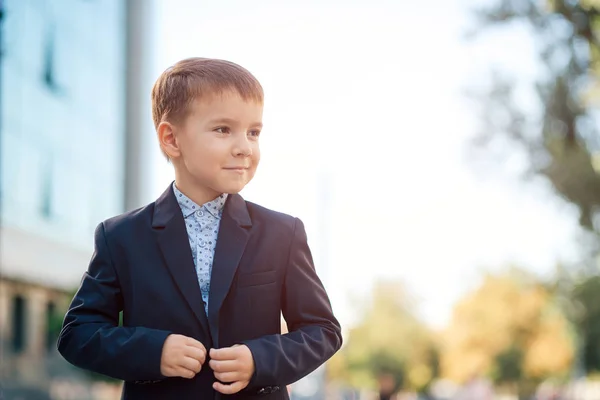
[[63, 116], [75, 148]]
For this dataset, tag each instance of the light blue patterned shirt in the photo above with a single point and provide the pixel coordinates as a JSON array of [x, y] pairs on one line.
[[202, 224]]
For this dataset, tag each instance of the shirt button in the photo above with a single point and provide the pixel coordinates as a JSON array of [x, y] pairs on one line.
[[200, 213]]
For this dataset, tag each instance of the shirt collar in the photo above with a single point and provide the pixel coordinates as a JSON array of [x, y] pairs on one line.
[[189, 207]]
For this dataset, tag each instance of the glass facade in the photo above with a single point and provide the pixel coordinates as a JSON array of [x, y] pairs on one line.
[[62, 116]]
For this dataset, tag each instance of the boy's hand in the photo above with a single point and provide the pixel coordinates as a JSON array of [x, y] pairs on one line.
[[182, 356], [233, 366]]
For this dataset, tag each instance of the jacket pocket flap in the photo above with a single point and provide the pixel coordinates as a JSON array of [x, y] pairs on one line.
[[256, 278]]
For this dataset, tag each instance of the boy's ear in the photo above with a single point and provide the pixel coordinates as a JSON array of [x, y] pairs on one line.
[[167, 140]]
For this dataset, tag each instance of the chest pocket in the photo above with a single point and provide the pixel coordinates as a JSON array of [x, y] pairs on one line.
[[246, 279]]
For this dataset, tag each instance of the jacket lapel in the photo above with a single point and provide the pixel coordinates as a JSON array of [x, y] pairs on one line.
[[172, 238], [233, 235]]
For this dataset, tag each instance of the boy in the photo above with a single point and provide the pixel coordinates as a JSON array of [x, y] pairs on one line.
[[201, 275]]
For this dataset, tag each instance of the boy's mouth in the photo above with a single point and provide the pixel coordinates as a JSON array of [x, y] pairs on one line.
[[239, 170]]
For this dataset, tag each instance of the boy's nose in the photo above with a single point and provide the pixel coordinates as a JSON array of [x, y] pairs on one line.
[[242, 148]]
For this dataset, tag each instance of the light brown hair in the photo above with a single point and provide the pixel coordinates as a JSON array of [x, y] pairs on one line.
[[196, 78]]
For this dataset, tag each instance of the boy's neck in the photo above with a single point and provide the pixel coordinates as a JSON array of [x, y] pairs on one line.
[[198, 194]]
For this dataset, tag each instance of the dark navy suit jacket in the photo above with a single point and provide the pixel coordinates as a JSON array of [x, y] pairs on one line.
[[142, 265]]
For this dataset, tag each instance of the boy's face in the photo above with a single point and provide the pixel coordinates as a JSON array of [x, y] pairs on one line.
[[216, 147]]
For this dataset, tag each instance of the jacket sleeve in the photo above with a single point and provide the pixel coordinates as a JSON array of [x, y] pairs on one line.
[[91, 338], [314, 333]]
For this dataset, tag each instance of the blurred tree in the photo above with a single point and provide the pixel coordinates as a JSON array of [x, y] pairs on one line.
[[508, 365], [511, 329], [561, 142], [585, 313], [389, 342]]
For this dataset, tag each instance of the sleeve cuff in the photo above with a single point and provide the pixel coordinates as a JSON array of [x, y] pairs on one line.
[[152, 359]]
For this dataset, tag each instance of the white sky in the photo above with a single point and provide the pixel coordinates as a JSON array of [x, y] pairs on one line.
[[368, 96]]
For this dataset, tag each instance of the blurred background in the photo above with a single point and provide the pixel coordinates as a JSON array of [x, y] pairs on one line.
[[444, 156]]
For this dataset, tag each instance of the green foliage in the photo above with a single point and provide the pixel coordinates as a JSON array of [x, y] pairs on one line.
[[586, 296], [389, 340], [381, 363], [510, 328], [55, 322], [508, 365], [565, 147]]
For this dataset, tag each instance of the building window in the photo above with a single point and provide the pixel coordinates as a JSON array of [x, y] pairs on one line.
[[53, 324], [47, 185], [19, 324]]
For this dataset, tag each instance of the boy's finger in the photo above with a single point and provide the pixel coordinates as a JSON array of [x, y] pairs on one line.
[[226, 353], [185, 373], [194, 343], [228, 389], [227, 377], [195, 353], [191, 364], [223, 366]]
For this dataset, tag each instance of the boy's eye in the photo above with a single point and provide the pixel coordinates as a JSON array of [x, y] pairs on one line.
[[222, 129], [254, 133]]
